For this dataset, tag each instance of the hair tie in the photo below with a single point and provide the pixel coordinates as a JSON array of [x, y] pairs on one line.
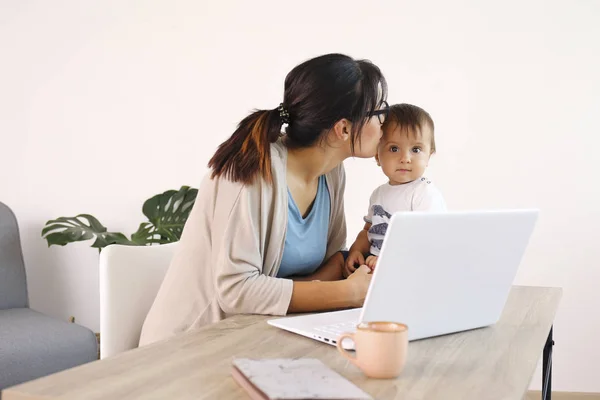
[[283, 114]]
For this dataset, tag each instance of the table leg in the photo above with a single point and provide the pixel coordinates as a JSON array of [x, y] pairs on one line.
[[547, 367]]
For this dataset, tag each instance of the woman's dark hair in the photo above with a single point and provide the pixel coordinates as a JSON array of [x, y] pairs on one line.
[[318, 93]]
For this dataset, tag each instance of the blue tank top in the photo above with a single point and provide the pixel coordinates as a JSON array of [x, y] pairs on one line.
[[306, 238]]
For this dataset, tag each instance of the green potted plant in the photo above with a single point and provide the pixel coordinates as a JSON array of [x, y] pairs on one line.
[[166, 212]]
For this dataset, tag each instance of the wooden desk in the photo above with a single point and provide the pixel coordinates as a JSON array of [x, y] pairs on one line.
[[489, 363]]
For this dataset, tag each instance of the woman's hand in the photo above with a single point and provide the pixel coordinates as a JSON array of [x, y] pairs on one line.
[[359, 283], [354, 258], [326, 296]]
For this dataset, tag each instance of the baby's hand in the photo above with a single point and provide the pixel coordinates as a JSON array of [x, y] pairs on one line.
[[355, 259], [371, 262]]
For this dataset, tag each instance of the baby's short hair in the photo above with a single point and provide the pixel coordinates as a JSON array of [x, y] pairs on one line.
[[409, 117]]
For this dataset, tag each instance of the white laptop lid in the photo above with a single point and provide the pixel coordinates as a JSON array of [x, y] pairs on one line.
[[447, 272]]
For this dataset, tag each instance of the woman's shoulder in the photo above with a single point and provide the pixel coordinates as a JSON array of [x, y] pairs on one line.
[[224, 189], [224, 193], [218, 186], [337, 176]]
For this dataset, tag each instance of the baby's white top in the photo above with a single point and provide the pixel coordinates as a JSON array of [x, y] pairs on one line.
[[418, 195]]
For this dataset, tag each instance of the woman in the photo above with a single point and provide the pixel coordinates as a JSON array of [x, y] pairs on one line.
[[267, 227]]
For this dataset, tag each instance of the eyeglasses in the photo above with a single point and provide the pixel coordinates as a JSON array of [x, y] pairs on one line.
[[382, 113]]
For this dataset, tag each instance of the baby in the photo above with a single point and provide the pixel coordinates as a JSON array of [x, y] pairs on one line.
[[403, 154]]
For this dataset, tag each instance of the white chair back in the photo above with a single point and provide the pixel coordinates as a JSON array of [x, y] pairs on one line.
[[130, 277]]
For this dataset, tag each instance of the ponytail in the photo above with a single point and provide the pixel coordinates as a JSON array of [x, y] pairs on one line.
[[247, 153]]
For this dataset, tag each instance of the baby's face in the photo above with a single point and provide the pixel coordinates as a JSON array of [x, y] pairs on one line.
[[404, 154]]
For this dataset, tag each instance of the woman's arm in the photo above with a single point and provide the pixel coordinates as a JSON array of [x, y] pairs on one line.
[[331, 270], [323, 296]]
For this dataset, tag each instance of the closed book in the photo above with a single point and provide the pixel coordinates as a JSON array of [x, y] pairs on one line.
[[293, 379]]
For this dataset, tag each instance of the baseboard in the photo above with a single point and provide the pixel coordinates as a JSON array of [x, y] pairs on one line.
[[537, 395]]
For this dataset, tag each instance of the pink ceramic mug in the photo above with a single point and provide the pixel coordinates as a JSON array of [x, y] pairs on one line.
[[381, 348]]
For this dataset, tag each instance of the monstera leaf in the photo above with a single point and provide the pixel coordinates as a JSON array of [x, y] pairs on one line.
[[167, 214], [82, 227]]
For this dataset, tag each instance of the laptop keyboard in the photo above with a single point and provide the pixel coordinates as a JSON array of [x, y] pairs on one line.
[[337, 329]]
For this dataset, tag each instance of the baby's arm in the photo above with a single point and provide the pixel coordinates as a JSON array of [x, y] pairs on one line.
[[359, 248], [362, 243]]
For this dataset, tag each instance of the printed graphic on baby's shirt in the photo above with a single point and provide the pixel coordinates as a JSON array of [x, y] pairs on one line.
[[379, 225]]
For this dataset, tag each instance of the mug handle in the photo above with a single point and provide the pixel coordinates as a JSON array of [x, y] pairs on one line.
[[343, 351]]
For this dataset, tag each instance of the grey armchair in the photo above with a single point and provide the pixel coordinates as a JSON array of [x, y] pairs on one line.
[[32, 344]]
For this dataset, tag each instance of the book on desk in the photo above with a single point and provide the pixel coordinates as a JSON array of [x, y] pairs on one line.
[[292, 379]]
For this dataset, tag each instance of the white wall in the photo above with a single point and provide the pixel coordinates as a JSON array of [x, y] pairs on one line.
[[105, 103]]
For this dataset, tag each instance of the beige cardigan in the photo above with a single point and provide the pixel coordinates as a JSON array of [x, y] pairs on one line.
[[230, 251]]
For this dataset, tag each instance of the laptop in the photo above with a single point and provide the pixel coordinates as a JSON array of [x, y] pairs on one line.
[[438, 273]]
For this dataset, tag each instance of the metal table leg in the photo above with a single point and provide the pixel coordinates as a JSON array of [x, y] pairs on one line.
[[547, 367]]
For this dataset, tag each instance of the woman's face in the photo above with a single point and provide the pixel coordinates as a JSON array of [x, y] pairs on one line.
[[366, 146]]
